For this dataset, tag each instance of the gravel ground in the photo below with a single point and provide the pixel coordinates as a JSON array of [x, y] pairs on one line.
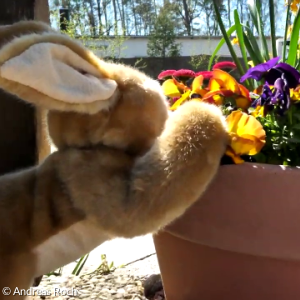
[[123, 283]]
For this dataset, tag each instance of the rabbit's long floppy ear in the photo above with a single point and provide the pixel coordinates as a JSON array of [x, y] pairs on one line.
[[52, 71]]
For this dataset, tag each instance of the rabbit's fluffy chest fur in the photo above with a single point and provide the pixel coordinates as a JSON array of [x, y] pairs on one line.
[[67, 246], [102, 173]]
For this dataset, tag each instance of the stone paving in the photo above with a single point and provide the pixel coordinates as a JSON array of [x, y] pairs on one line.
[[138, 256]]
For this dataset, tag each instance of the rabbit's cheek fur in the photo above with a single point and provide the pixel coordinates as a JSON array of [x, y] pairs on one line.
[[137, 120]]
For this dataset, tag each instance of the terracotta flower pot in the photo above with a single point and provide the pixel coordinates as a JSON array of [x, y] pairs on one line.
[[240, 241]]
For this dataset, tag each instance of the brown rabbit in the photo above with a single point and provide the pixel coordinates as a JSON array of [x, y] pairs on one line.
[[124, 166]]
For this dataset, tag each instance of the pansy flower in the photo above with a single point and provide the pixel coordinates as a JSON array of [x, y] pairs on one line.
[[184, 73], [295, 94], [275, 96], [259, 71], [293, 5], [227, 65], [205, 74], [223, 85], [279, 78], [166, 74], [271, 71], [247, 136], [259, 111], [170, 89], [235, 41], [176, 89]]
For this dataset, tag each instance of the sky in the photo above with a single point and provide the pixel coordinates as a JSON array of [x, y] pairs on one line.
[[280, 19]]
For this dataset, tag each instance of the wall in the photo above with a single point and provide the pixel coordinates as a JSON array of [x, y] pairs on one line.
[[137, 46]]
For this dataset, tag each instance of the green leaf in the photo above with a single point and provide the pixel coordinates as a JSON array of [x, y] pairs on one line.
[[80, 265], [260, 157], [229, 32], [255, 8], [240, 35], [294, 140], [292, 56], [236, 60], [273, 27], [251, 52], [296, 115], [253, 42], [77, 265], [253, 11], [296, 127], [298, 65], [287, 19]]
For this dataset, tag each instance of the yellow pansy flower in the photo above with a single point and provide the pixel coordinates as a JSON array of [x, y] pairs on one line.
[[247, 135]]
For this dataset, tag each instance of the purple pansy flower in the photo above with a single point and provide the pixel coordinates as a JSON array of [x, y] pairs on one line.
[[271, 71], [281, 96], [292, 76], [260, 70], [277, 97]]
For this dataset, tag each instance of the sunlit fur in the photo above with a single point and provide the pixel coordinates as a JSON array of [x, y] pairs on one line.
[[124, 171]]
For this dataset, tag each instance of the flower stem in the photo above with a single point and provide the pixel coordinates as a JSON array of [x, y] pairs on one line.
[[290, 116]]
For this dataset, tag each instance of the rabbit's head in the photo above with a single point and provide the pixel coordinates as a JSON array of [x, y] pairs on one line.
[[90, 101]]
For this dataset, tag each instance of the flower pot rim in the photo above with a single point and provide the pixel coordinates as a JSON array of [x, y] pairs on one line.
[[260, 166]]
